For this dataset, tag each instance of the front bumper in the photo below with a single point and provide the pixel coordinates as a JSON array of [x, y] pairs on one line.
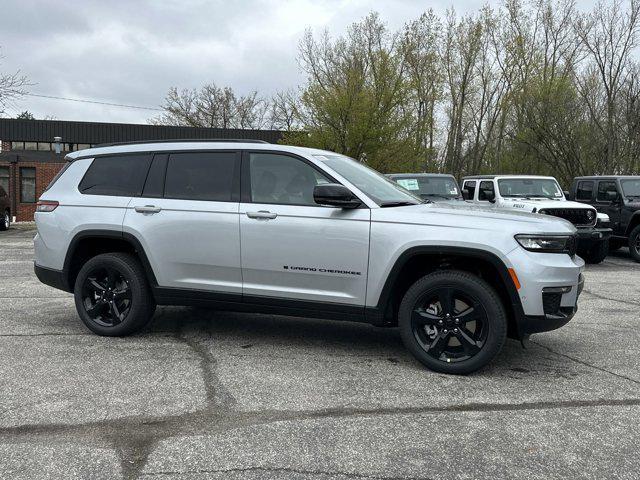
[[587, 237], [529, 324]]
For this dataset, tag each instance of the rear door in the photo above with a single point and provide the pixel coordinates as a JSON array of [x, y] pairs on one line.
[[187, 220], [293, 248]]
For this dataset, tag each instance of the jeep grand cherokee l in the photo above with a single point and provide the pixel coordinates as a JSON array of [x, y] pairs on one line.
[[254, 227]]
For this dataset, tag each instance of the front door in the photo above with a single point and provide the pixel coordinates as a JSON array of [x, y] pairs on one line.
[[187, 220], [293, 248], [605, 205]]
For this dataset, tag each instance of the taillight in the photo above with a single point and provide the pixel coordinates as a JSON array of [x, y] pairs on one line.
[[46, 206]]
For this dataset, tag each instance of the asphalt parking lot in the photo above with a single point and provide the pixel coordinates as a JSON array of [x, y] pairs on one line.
[[203, 394]]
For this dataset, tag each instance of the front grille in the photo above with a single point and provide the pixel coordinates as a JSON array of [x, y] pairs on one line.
[[551, 303], [577, 216]]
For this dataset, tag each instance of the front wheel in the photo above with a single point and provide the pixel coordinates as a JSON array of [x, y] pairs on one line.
[[5, 221], [452, 322], [597, 253], [112, 295], [634, 243]]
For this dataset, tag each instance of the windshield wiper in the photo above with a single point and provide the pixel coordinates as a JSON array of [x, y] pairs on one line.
[[400, 203]]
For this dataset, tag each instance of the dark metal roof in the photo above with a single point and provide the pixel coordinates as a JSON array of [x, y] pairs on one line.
[[32, 156], [94, 132]]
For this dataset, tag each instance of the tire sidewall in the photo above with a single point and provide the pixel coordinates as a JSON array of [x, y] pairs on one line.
[[141, 307], [633, 238], [474, 287], [598, 252], [6, 221]]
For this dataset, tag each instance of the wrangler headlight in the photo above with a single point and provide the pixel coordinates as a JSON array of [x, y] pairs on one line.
[[547, 243]]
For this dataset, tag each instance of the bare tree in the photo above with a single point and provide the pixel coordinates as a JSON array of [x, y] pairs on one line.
[[12, 87]]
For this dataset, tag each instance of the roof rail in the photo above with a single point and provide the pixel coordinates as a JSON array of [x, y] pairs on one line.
[[181, 140]]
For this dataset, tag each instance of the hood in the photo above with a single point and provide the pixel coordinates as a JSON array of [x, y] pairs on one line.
[[469, 216], [541, 203]]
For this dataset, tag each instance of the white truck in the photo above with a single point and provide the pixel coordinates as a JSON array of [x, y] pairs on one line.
[[542, 195]]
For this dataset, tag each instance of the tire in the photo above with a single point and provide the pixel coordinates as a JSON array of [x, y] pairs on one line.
[[634, 243], [112, 295], [421, 312], [597, 253], [5, 221]]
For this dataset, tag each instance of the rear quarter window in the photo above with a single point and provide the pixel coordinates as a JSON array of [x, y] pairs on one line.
[[117, 175]]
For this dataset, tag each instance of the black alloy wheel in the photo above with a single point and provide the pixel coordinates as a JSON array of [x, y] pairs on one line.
[[449, 324], [106, 296], [5, 223], [634, 244], [452, 321], [112, 294]]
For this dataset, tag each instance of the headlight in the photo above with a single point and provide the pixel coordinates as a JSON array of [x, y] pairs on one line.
[[547, 243], [591, 215]]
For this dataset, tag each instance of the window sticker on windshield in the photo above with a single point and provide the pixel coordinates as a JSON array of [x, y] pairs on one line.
[[408, 183], [453, 191]]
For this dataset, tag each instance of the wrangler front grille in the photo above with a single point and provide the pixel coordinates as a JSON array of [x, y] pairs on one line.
[[577, 216]]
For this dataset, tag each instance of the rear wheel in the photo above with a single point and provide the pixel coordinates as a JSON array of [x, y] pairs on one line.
[[615, 245], [112, 295], [634, 243], [452, 322], [597, 252], [5, 221]]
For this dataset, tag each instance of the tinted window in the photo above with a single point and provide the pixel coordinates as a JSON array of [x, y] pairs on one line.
[[470, 186], [631, 188], [282, 179], [486, 191], [116, 175], [603, 188], [201, 176], [4, 178], [584, 191], [27, 185], [154, 186]]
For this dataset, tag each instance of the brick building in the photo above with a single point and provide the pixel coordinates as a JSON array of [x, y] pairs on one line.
[[29, 158]]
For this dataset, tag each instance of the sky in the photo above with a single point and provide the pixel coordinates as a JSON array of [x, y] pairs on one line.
[[132, 52]]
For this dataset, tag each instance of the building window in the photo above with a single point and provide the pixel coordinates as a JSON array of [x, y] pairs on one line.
[[44, 146], [31, 145], [4, 178], [17, 145], [27, 185]]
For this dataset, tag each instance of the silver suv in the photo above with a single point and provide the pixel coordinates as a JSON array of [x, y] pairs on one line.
[[254, 227]]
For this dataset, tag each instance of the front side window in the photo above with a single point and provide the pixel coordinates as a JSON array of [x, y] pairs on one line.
[[201, 176], [382, 190], [118, 175], [631, 188], [486, 192], [604, 188], [27, 185], [530, 188], [4, 178], [584, 191], [281, 179]]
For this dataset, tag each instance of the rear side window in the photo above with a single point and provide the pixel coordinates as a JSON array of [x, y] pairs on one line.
[[202, 176], [470, 187], [121, 175], [584, 191]]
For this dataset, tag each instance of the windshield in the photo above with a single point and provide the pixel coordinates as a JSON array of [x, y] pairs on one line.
[[375, 185], [530, 188], [631, 188], [425, 186]]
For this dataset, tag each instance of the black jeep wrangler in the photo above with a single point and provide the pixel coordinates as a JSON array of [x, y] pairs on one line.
[[619, 197]]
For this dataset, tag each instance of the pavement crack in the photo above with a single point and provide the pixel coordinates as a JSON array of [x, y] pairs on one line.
[[581, 362], [331, 473], [610, 299]]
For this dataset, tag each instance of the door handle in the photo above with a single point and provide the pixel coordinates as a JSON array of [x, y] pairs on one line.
[[147, 209], [262, 214]]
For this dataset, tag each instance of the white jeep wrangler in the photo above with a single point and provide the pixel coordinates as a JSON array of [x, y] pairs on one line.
[[543, 195]]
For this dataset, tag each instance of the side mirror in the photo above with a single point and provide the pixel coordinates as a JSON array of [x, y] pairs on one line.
[[567, 194], [612, 196], [335, 195], [466, 194]]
